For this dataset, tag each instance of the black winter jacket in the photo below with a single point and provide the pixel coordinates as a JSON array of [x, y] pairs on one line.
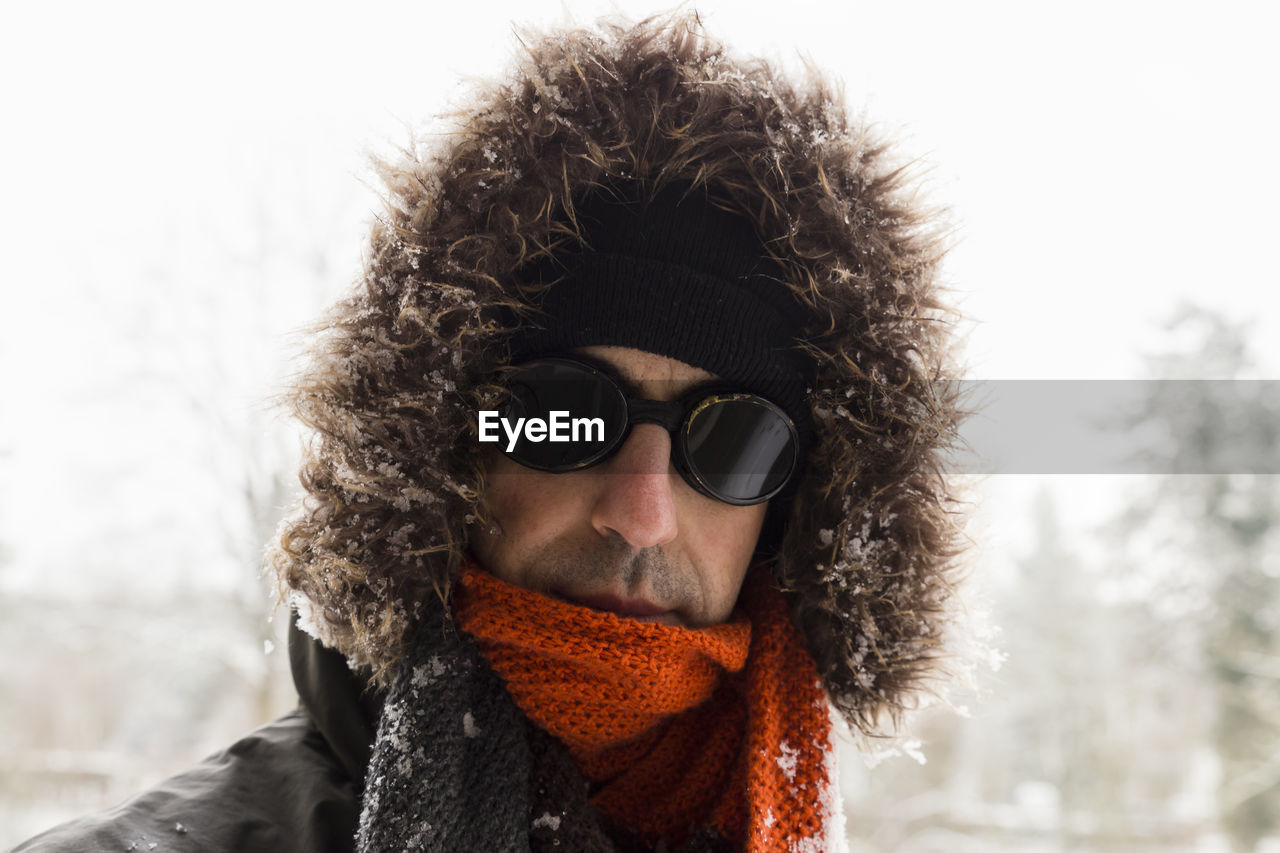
[[292, 785]]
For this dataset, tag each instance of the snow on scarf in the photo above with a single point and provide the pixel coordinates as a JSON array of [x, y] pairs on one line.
[[727, 757]]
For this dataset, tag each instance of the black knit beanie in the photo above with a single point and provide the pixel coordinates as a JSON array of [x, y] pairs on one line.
[[674, 275]]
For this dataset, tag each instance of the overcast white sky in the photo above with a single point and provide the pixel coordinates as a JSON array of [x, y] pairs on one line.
[[168, 166]]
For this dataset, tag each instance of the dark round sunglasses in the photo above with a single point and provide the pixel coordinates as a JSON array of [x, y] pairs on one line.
[[736, 447]]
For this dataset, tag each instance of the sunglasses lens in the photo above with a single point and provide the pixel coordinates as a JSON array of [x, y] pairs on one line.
[[741, 448], [584, 414]]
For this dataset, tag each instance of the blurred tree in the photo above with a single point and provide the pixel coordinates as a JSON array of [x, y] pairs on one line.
[[206, 325], [143, 623], [1099, 731], [1221, 535]]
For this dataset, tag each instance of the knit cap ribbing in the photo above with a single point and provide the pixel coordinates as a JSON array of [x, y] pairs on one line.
[[677, 276]]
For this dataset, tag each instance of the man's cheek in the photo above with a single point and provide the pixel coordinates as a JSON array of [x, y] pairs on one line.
[[527, 505]]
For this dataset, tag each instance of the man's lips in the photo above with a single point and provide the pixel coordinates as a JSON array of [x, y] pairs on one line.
[[640, 609]]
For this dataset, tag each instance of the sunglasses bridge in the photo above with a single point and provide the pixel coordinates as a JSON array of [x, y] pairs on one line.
[[667, 415]]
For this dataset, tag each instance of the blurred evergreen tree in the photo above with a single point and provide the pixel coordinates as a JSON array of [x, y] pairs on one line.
[[1093, 706], [1226, 529]]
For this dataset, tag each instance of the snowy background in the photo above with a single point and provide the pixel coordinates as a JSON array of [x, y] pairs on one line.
[[185, 187]]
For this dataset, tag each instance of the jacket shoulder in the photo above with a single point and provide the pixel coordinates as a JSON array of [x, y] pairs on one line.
[[278, 789]]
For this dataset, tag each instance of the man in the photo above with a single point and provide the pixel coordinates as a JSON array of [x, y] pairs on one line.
[[628, 639]]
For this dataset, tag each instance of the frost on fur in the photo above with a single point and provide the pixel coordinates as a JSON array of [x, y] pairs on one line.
[[399, 368]]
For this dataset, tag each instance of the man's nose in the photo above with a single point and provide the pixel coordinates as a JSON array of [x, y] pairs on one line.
[[636, 501]]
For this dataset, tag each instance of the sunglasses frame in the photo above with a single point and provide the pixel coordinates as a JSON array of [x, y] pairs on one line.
[[675, 416]]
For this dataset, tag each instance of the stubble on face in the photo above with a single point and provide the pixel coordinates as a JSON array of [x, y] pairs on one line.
[[570, 569]]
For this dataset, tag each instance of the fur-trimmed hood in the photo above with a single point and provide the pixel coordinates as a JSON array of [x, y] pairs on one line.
[[400, 368]]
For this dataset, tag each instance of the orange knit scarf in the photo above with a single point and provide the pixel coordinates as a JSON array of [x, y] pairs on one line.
[[680, 728]]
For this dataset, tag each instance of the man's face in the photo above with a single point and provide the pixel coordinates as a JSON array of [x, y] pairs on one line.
[[628, 535]]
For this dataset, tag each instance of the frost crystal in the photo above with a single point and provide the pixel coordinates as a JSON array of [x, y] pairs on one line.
[[548, 821], [428, 672], [788, 761], [469, 727]]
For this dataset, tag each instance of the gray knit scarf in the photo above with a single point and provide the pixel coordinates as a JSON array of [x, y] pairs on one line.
[[456, 766]]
